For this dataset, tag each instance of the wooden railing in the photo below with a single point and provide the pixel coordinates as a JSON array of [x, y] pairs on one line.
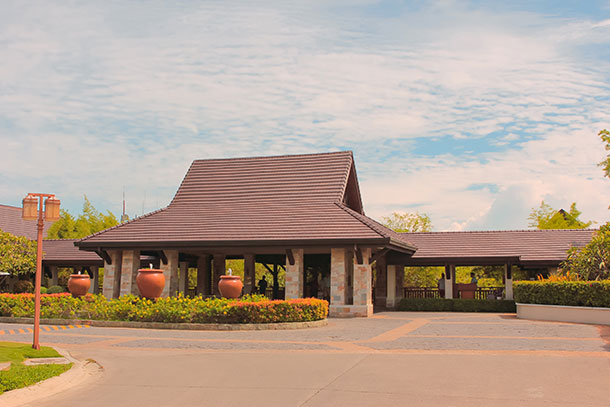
[[481, 293]]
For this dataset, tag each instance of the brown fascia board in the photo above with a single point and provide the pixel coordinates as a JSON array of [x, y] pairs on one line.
[[457, 261], [280, 244]]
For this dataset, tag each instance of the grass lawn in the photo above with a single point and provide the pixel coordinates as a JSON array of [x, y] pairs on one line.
[[21, 376]]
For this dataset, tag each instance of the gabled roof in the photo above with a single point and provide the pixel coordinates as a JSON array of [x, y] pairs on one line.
[[524, 246], [11, 222], [304, 199], [63, 252]]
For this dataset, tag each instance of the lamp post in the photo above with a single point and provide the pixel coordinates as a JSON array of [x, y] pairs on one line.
[[32, 210]]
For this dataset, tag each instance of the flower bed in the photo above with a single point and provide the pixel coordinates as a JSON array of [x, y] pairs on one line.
[[574, 293], [248, 309]]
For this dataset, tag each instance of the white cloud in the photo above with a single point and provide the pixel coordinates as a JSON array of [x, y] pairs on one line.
[[120, 94]]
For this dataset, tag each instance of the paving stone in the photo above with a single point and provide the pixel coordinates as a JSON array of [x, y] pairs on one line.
[[5, 365]]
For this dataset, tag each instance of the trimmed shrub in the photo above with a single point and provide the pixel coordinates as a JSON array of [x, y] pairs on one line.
[[43, 290], [574, 293], [56, 289], [24, 286], [455, 305], [249, 309]]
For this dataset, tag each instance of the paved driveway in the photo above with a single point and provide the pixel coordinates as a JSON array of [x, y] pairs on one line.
[[414, 359]]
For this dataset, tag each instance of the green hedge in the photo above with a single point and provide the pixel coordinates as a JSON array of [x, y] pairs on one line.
[[455, 305], [575, 293], [249, 309]]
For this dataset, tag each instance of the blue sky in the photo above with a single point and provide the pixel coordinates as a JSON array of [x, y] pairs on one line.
[[472, 112]]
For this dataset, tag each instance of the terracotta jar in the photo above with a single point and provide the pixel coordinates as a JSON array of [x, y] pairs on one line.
[[150, 282], [78, 284], [230, 286]]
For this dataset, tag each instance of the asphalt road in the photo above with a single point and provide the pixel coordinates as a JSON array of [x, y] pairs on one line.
[[415, 359]]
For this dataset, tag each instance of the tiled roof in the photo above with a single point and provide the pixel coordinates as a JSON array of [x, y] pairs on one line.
[[63, 250], [526, 245], [295, 198], [11, 222]]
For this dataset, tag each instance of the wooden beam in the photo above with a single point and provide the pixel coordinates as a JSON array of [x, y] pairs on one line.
[[104, 255], [377, 255], [358, 254], [290, 256], [162, 256], [268, 268]]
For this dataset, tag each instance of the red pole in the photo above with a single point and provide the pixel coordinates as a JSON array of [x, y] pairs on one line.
[[36, 344]]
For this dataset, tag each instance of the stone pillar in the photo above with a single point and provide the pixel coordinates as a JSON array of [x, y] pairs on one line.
[[203, 275], [219, 270], [184, 278], [381, 282], [339, 263], [363, 298], [249, 274], [130, 264], [112, 274], [449, 280], [390, 301], [170, 271], [54, 275], [295, 274], [400, 283], [508, 282], [95, 280]]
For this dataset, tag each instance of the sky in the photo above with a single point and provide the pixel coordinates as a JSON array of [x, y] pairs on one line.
[[471, 112]]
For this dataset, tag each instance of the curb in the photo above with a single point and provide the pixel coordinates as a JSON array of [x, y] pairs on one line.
[[81, 372], [175, 326]]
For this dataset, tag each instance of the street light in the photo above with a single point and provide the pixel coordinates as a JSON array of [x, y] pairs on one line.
[[32, 210]]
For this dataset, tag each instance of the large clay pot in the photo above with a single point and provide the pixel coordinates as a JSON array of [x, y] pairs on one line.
[[150, 282], [78, 284], [230, 286]]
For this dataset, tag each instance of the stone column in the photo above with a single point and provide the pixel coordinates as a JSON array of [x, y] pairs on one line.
[[95, 280], [54, 275], [295, 274], [339, 263], [400, 283], [390, 301], [170, 271], [184, 277], [449, 280], [203, 275], [112, 274], [508, 282], [219, 270], [381, 282], [249, 274], [129, 270], [363, 298]]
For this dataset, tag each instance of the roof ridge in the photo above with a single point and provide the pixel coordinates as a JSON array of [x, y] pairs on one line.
[[495, 231], [261, 157], [121, 224], [374, 225]]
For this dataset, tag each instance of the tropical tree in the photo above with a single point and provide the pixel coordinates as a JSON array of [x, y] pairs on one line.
[[591, 262], [17, 254], [414, 222], [545, 217], [407, 222], [605, 136], [87, 223]]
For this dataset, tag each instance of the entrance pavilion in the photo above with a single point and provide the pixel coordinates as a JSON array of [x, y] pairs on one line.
[[292, 212], [274, 210]]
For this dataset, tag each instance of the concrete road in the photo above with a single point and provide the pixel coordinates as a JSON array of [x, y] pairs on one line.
[[414, 359]]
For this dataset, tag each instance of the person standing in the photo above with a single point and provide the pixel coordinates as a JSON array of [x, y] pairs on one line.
[[441, 285]]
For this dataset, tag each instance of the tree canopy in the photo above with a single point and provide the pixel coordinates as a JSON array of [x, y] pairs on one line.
[[605, 136], [87, 223], [592, 262], [17, 254], [408, 222], [545, 217]]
